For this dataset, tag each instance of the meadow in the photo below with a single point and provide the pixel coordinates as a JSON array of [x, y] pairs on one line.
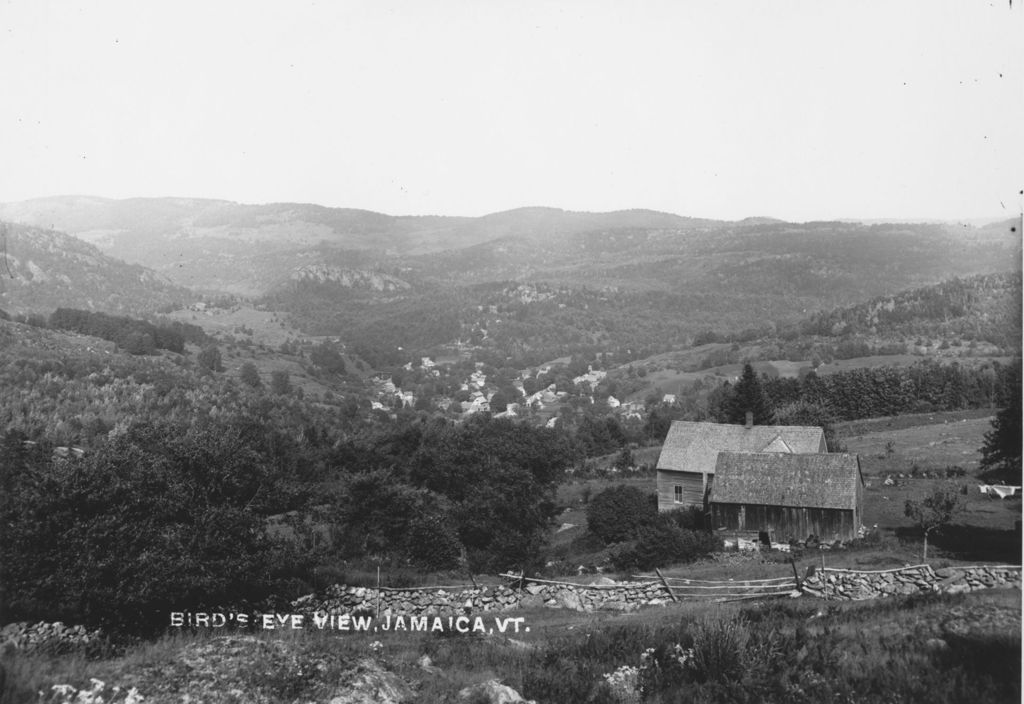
[[948, 648]]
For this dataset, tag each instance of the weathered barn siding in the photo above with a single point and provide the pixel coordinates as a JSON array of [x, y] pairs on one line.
[[785, 522], [789, 495], [692, 484]]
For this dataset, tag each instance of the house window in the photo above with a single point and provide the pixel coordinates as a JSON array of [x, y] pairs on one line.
[[679, 494]]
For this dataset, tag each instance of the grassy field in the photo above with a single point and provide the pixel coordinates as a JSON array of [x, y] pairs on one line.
[[931, 441], [935, 648]]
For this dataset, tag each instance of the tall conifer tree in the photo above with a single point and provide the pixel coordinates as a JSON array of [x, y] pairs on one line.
[[748, 396]]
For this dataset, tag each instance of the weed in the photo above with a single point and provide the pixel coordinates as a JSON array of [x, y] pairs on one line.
[[719, 645]]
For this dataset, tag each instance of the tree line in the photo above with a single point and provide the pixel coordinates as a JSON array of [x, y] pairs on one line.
[[130, 334]]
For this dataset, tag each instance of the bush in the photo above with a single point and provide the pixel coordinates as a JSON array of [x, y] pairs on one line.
[[162, 518], [689, 518], [664, 543], [618, 512]]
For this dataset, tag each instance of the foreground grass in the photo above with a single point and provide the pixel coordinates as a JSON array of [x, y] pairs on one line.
[[949, 648]]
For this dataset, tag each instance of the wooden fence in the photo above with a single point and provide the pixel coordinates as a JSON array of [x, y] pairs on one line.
[[680, 588], [723, 590]]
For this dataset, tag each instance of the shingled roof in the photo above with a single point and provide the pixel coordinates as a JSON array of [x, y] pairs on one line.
[[815, 480], [694, 447]]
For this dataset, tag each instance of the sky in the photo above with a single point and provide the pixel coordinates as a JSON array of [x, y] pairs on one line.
[[797, 110]]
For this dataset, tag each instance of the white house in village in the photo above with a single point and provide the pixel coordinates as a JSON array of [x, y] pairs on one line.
[[593, 378]]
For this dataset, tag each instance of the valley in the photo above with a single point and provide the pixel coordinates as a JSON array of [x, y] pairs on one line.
[[346, 397]]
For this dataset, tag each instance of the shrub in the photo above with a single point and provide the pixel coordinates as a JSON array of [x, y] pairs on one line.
[[618, 512], [663, 543], [689, 518], [160, 518]]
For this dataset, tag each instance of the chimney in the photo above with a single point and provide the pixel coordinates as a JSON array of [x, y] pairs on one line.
[[750, 420]]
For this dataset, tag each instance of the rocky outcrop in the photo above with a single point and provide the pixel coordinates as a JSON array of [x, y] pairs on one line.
[[369, 683], [859, 584], [492, 692]]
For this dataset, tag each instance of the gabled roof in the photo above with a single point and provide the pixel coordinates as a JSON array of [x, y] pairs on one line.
[[777, 445], [818, 480], [694, 447]]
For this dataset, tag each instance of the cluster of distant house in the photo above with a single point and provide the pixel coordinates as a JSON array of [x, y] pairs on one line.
[[778, 483], [480, 395]]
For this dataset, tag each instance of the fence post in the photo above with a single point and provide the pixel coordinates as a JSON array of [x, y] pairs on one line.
[[377, 617], [665, 582], [796, 575]]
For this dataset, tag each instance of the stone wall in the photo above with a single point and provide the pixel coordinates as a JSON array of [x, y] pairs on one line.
[[52, 638], [627, 596], [622, 596], [858, 584]]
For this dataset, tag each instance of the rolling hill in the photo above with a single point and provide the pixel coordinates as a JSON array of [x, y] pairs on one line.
[[44, 269], [531, 281]]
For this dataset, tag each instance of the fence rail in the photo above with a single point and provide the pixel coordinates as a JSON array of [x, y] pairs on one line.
[[680, 588]]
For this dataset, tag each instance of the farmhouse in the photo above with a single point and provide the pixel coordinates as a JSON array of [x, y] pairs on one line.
[[788, 495], [686, 466]]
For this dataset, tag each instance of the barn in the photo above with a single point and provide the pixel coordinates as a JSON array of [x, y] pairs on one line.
[[788, 495], [686, 466]]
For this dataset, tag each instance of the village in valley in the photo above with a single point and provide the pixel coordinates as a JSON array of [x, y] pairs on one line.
[[494, 353]]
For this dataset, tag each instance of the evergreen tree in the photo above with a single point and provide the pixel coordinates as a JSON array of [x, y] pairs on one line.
[[1002, 449], [250, 375], [280, 382], [748, 396]]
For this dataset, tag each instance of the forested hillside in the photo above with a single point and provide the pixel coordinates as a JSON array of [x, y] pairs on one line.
[[983, 307], [45, 269]]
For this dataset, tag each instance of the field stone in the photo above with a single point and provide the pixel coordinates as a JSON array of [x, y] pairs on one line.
[[617, 606], [427, 665], [369, 683], [492, 692], [569, 600]]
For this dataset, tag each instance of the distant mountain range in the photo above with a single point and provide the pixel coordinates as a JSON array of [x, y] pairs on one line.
[[599, 278], [218, 245], [202, 243]]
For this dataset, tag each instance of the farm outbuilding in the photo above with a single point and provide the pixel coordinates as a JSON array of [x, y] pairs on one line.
[[788, 495], [686, 466]]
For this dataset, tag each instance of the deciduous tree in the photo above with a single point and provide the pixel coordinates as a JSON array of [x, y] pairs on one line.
[[935, 511]]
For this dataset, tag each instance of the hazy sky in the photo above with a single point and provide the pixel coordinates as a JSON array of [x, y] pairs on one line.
[[799, 110]]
